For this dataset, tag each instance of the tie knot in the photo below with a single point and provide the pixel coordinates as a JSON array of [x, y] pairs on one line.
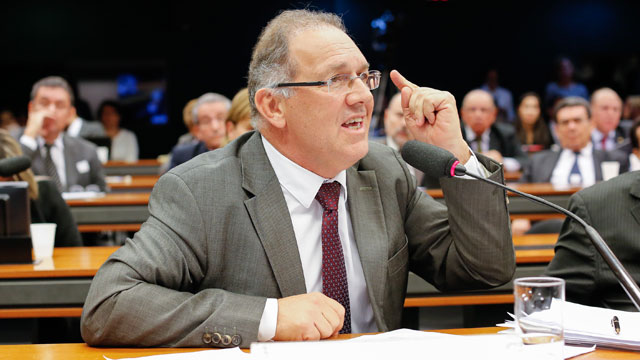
[[328, 195], [48, 146]]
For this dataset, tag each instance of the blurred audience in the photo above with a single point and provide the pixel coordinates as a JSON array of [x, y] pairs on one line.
[[72, 163], [9, 122], [502, 97], [495, 140], [124, 143], [187, 118], [564, 86], [577, 163], [239, 118], [531, 129], [606, 111], [631, 110], [47, 206], [634, 157], [209, 115]]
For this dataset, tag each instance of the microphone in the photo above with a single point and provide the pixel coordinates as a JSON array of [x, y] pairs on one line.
[[436, 162], [13, 165]]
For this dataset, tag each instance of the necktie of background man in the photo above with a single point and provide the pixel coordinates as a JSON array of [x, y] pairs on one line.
[[334, 273], [50, 167]]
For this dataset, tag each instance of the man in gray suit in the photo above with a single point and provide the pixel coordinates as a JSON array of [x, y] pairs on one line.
[[302, 229], [577, 163], [72, 163], [613, 209]]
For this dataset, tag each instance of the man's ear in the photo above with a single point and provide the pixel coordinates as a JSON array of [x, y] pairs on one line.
[[270, 106], [230, 126]]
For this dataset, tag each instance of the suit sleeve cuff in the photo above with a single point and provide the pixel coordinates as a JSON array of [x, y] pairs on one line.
[[474, 166], [268, 321], [29, 142]]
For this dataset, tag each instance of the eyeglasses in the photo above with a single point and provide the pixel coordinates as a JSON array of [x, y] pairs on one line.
[[341, 82]]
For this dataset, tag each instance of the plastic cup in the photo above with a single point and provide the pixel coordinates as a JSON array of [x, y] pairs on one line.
[[43, 238]]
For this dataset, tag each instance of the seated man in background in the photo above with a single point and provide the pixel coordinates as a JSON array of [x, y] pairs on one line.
[[72, 163], [608, 132], [239, 119], [634, 157], [577, 163], [613, 209], [187, 118], [209, 115], [302, 229], [396, 133], [484, 135]]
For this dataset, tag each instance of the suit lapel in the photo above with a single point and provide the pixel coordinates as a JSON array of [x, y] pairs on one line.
[[369, 230], [598, 158], [547, 171], [634, 191], [270, 216], [69, 163]]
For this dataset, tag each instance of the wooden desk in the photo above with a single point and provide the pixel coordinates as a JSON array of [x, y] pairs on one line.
[[521, 206], [140, 167], [84, 352], [57, 287], [125, 211], [132, 183]]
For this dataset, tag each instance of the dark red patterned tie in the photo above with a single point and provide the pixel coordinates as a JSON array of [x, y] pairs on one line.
[[334, 273]]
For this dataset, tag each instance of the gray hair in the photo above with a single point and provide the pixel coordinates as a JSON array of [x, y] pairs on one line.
[[271, 62], [571, 101], [209, 98], [53, 81]]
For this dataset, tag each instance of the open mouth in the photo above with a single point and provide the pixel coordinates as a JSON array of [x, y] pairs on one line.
[[354, 124]]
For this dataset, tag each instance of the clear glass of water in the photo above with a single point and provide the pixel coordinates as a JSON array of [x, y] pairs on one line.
[[538, 310]]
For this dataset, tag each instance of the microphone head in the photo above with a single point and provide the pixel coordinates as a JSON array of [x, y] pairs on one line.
[[435, 162], [13, 165]]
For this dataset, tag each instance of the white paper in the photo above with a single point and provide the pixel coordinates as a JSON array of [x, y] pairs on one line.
[[78, 195], [221, 354], [403, 344]]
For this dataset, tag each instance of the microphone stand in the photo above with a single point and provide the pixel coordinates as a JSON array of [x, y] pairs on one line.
[[627, 282]]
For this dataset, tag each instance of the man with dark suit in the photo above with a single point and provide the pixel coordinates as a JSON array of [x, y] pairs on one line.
[[613, 209], [495, 140], [609, 133], [577, 163], [303, 228], [72, 163], [209, 116]]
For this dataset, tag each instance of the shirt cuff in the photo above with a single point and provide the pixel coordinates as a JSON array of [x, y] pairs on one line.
[[475, 167], [29, 142], [268, 321]]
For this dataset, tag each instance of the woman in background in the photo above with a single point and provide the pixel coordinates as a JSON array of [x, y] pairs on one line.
[[124, 143], [239, 119], [47, 206], [531, 129]]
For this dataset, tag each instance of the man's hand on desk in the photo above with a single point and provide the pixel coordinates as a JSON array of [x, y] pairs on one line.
[[311, 316]]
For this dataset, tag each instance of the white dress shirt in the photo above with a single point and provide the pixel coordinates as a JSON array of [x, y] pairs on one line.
[[634, 162], [57, 154], [299, 187], [560, 175], [610, 143], [74, 127]]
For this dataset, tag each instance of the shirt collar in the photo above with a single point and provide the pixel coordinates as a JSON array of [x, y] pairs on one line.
[[585, 151], [598, 135], [392, 144], [300, 182], [57, 143], [74, 128], [471, 135]]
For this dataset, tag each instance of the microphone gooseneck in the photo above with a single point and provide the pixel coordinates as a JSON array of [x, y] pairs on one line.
[[436, 162]]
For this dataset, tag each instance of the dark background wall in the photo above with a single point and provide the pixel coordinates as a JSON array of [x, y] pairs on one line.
[[198, 47]]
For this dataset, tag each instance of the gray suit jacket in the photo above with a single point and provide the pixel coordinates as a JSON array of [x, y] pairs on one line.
[[219, 241], [613, 209], [76, 151], [541, 165]]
